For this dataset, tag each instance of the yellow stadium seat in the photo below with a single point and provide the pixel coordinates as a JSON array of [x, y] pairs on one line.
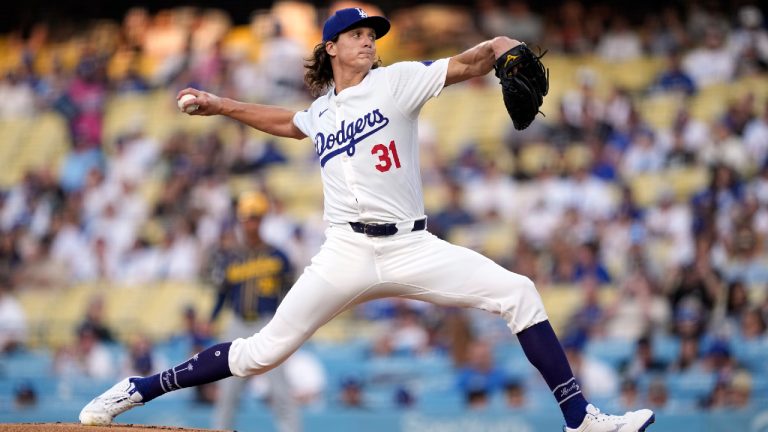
[[14, 132], [645, 188], [711, 102], [435, 197], [500, 240], [240, 40], [54, 314], [687, 181], [660, 109], [298, 188], [162, 305], [536, 156], [633, 75], [561, 301], [47, 142], [577, 156], [123, 113]]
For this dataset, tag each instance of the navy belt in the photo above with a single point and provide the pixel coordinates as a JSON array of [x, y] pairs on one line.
[[385, 229]]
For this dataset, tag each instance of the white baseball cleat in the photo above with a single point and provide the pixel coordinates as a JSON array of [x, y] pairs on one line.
[[632, 421], [113, 402]]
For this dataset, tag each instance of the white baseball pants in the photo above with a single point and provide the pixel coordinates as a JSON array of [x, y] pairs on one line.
[[352, 268]]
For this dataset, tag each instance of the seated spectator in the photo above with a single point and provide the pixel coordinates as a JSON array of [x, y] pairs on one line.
[[688, 358], [516, 20], [695, 132], [78, 163], [717, 399], [281, 63], [644, 361], [673, 78], [141, 359], [351, 395], [711, 62], [86, 358], [644, 155], [13, 319], [405, 334], [719, 358], [756, 140], [689, 322], [727, 148], [195, 333], [486, 195], [307, 377], [480, 377], [477, 399], [588, 264], [514, 394], [590, 316], [629, 396], [598, 380], [733, 392], [753, 326], [39, 269], [404, 398], [24, 396], [95, 322], [679, 156], [638, 309], [620, 42], [453, 214], [692, 294], [658, 394], [132, 81], [18, 96], [740, 391], [749, 41], [745, 258], [737, 302]]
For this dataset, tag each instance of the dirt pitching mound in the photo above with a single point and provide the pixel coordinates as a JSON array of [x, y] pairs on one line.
[[76, 427]]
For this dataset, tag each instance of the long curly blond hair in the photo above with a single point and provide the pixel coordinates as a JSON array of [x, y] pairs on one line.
[[319, 74]]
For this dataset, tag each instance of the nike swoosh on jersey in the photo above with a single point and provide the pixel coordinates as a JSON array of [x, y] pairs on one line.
[[322, 112]]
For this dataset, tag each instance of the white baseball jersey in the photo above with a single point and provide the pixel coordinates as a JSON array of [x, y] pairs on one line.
[[365, 137]]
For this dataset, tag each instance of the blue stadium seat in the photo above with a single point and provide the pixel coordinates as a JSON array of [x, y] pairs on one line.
[[611, 351], [691, 385], [751, 354], [26, 364], [666, 348]]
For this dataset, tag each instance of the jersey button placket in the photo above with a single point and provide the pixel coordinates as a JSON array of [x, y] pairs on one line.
[[346, 160]]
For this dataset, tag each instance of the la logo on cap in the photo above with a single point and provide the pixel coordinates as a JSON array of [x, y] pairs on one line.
[[362, 13]]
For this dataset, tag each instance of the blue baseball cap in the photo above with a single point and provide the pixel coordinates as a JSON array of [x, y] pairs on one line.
[[346, 19]]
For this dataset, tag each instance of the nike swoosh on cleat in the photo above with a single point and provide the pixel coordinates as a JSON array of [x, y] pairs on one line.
[[618, 427]]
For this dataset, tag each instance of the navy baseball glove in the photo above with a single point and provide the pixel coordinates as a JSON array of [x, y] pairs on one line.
[[524, 83]]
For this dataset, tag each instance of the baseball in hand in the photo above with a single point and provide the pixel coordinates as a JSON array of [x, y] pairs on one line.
[[190, 108]]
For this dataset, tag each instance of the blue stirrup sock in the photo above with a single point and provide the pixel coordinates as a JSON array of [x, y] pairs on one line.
[[204, 367], [544, 351]]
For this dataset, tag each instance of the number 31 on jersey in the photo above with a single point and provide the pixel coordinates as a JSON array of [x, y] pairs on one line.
[[387, 156]]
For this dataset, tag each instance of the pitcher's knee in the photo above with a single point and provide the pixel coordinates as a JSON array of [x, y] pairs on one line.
[[253, 356], [524, 307], [527, 285]]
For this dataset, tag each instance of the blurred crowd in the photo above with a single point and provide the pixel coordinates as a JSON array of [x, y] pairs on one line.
[[690, 269]]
